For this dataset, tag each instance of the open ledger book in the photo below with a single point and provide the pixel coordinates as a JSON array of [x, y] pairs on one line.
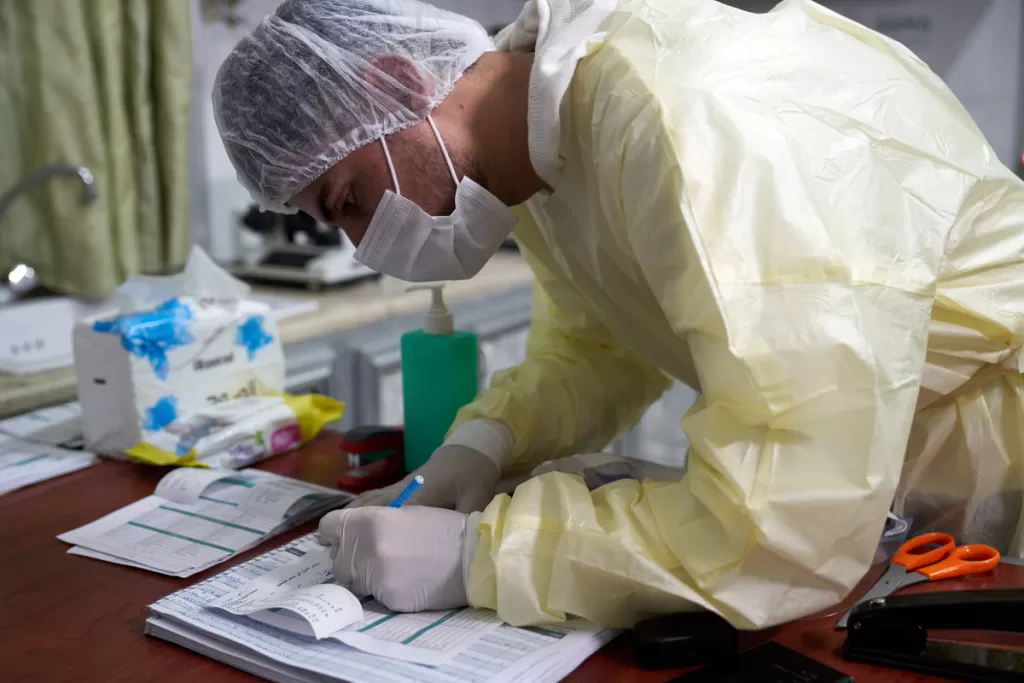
[[197, 518], [281, 617]]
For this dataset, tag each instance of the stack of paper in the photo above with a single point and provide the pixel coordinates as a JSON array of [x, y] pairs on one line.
[[199, 517], [469, 646], [23, 463], [58, 425], [302, 597]]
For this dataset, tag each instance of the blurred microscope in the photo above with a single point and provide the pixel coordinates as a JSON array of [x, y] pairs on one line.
[[295, 249]]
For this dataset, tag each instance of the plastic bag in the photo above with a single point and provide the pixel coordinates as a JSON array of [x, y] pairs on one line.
[[202, 279], [238, 433]]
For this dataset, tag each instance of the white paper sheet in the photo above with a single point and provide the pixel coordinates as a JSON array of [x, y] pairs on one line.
[[23, 463], [113, 559], [430, 638], [311, 569], [275, 497], [319, 608], [264, 494], [304, 588], [173, 537], [504, 655], [57, 425], [182, 539], [186, 484], [550, 666]]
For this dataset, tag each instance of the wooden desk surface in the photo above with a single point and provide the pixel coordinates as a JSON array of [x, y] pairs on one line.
[[69, 618]]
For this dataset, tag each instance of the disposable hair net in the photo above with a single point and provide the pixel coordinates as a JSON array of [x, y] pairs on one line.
[[319, 79]]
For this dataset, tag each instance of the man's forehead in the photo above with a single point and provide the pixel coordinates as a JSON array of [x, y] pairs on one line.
[[306, 199]]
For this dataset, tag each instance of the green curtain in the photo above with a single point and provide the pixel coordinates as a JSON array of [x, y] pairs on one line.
[[105, 84]]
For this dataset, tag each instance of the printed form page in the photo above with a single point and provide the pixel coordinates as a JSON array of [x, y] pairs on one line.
[[302, 597], [501, 655], [23, 463], [57, 425], [198, 518]]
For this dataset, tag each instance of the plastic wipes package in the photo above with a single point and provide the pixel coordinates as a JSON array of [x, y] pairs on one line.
[[172, 346], [238, 433]]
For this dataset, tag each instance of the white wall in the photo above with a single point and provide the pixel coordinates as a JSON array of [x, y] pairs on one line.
[[491, 13], [225, 197]]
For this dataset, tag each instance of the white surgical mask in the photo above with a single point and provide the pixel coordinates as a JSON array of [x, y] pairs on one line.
[[406, 242]]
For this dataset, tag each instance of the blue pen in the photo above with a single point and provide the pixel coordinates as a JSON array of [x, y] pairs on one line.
[[407, 492]]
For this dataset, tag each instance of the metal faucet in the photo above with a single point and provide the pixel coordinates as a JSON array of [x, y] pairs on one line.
[[22, 278]]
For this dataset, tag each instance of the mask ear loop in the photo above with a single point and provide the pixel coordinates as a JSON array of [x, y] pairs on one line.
[[444, 150], [391, 166]]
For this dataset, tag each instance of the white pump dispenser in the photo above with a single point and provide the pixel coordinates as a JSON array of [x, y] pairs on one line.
[[438, 320]]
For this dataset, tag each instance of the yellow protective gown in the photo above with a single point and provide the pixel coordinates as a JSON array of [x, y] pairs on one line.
[[795, 215]]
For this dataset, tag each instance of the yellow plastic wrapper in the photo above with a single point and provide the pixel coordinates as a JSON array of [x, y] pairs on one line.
[[239, 433]]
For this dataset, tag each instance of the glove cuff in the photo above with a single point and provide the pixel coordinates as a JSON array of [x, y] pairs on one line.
[[470, 541], [487, 437]]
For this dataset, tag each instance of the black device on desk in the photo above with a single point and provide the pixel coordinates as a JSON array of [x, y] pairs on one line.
[[703, 638], [688, 639], [894, 632], [769, 663]]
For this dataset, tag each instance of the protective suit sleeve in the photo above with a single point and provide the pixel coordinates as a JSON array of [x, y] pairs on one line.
[[577, 389], [808, 325]]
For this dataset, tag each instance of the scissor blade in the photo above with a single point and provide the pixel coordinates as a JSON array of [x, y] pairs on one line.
[[891, 581]]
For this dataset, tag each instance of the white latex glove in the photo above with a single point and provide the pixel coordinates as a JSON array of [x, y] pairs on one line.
[[411, 559], [455, 477]]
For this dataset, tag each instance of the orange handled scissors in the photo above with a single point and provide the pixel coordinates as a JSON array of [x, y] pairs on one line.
[[947, 561]]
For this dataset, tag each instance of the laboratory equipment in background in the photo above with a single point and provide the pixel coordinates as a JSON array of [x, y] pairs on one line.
[[439, 376], [295, 249]]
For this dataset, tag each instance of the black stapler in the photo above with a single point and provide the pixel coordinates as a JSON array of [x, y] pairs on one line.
[[894, 632]]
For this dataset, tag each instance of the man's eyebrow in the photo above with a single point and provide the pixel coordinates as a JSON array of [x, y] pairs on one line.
[[321, 203]]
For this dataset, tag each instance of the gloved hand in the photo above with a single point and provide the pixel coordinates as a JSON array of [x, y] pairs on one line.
[[455, 477], [410, 559]]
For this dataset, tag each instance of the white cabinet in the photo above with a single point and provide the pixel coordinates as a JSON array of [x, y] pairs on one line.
[[659, 437], [503, 351], [310, 368], [502, 326]]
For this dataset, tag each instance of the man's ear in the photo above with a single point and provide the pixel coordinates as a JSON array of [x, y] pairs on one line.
[[384, 70]]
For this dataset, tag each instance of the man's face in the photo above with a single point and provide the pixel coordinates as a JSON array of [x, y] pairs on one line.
[[347, 194]]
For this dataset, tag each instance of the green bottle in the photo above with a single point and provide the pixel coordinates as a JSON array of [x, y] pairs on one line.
[[439, 376]]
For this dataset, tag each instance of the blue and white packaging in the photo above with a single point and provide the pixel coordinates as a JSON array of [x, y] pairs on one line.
[[175, 345]]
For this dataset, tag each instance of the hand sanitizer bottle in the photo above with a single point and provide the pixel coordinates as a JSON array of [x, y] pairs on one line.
[[439, 376]]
